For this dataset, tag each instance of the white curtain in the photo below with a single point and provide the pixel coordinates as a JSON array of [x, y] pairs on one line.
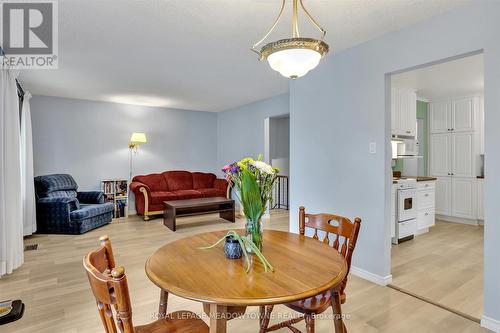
[[28, 188], [11, 225]]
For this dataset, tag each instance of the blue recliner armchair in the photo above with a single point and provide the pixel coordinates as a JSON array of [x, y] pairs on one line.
[[61, 209]]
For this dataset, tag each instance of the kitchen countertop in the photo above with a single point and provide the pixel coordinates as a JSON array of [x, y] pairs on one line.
[[426, 179], [419, 179]]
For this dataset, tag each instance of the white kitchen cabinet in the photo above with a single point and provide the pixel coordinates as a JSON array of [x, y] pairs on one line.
[[443, 196], [394, 108], [393, 211], [452, 154], [426, 199], [480, 199], [456, 197], [458, 115], [463, 198], [403, 112], [463, 114], [440, 153], [426, 204], [426, 219], [454, 147], [462, 154], [440, 117], [481, 125]]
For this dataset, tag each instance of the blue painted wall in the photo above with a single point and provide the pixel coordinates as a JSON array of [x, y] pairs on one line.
[[90, 139], [337, 110], [240, 131]]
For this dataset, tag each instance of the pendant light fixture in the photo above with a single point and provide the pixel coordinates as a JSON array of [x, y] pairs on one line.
[[296, 56]]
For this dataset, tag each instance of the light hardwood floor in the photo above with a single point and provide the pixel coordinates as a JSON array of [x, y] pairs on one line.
[[55, 289], [444, 265]]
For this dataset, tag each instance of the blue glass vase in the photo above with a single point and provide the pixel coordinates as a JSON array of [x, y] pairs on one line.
[[232, 248]]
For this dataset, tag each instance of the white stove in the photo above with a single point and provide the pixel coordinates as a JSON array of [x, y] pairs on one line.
[[406, 212], [406, 182]]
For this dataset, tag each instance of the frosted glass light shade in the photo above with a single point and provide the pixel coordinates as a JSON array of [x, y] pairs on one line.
[[294, 63], [138, 138]]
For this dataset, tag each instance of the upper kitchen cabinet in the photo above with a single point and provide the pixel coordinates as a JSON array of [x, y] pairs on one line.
[[440, 115], [458, 115], [463, 114], [403, 113]]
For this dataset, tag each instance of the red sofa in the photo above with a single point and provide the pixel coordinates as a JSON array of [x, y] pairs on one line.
[[152, 190]]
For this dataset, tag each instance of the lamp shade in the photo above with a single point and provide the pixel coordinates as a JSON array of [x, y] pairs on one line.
[[294, 63], [138, 138]]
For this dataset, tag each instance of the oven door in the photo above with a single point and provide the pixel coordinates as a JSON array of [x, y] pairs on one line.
[[407, 204]]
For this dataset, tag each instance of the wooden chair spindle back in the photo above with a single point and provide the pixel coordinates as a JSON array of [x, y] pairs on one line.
[[110, 288], [344, 228]]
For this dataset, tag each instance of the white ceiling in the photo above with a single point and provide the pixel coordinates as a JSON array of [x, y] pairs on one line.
[[194, 54], [450, 79]]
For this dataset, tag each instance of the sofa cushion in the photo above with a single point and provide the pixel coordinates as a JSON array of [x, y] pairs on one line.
[[159, 197], [179, 180], [187, 194], [89, 211], [203, 180], [211, 192], [45, 185], [155, 181]]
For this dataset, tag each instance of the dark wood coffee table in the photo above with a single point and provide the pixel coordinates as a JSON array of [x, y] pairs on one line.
[[190, 207]]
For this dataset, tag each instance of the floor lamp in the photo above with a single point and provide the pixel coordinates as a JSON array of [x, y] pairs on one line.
[[135, 140]]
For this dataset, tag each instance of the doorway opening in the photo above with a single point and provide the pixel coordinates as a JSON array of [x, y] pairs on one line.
[[277, 153], [437, 140]]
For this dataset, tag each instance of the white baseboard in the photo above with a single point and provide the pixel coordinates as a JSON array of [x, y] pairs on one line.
[[377, 279], [490, 323], [457, 220]]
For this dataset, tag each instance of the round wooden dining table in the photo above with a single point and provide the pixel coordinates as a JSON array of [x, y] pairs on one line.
[[304, 267]]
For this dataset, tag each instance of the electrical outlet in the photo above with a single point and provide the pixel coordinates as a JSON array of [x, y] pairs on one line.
[[373, 147]]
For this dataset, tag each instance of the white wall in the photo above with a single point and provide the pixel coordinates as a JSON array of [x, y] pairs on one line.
[[241, 130], [89, 140], [343, 105]]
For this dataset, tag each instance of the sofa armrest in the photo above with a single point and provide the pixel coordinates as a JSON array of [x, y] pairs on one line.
[[138, 188], [143, 197], [64, 202], [222, 184], [91, 197], [54, 213]]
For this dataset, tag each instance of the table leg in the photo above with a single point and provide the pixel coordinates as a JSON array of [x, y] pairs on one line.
[[217, 318], [228, 215], [162, 309], [169, 218], [337, 312]]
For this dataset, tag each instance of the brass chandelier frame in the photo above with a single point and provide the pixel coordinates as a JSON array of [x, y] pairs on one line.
[[295, 42]]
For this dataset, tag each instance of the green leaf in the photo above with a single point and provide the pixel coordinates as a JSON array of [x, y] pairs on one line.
[[250, 196]]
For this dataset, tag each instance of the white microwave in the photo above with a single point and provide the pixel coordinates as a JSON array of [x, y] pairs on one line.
[[408, 147]]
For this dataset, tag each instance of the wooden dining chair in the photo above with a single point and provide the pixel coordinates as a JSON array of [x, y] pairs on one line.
[[342, 235], [110, 289]]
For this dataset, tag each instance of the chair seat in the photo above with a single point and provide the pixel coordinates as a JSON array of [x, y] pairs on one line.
[[87, 211], [176, 322], [316, 304]]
